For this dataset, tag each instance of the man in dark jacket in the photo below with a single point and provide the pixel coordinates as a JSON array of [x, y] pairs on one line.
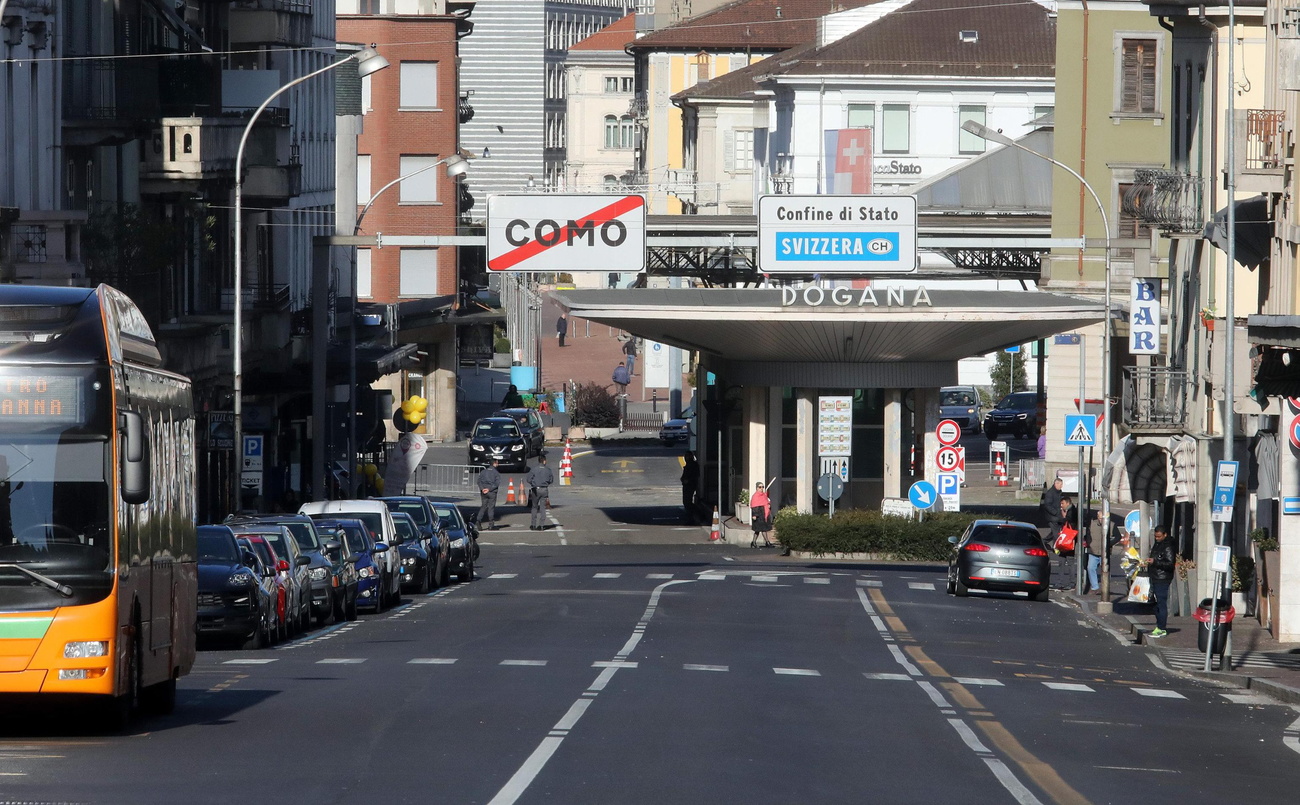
[[1161, 563], [540, 479], [1050, 507], [489, 481], [513, 398]]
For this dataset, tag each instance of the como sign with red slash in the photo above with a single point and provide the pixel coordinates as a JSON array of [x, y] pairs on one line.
[[566, 232]]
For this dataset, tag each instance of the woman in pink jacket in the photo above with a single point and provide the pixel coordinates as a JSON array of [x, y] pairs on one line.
[[760, 513]]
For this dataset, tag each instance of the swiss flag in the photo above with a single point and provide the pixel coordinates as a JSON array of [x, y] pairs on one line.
[[853, 161]]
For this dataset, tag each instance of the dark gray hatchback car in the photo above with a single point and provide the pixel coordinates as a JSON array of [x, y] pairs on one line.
[[1000, 556]]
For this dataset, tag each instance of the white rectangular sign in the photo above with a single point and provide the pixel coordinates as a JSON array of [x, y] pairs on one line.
[[655, 370], [566, 232], [949, 486], [1144, 321], [834, 426], [837, 234]]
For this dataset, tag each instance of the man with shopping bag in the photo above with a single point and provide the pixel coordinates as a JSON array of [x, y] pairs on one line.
[[1161, 565]]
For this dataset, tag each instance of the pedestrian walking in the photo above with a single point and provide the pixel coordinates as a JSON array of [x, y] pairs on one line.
[[690, 484], [621, 378], [629, 349], [760, 516], [1103, 542], [512, 399], [1161, 565], [489, 481], [1049, 505], [1042, 442], [540, 479], [562, 327]]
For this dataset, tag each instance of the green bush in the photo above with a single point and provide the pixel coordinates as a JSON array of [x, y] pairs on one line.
[[594, 407], [501, 345], [864, 531]]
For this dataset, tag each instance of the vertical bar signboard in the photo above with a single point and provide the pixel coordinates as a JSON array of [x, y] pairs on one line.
[[1144, 321]]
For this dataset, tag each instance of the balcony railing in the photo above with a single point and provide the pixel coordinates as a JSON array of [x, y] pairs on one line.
[[1155, 399], [1260, 155], [1168, 200]]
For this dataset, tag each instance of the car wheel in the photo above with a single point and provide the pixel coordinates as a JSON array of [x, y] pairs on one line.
[[960, 590], [350, 609], [340, 605], [1042, 595], [466, 574], [951, 586], [426, 582], [261, 637]]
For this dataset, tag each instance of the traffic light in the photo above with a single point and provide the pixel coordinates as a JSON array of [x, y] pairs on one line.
[[412, 412]]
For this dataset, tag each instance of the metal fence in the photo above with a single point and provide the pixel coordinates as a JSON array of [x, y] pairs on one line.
[[456, 479], [1033, 473], [637, 421]]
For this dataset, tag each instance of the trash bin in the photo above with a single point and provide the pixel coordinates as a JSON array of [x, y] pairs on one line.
[[1223, 615]]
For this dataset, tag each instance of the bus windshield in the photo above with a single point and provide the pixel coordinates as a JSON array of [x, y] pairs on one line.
[[54, 516]]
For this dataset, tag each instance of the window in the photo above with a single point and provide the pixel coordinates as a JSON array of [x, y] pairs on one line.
[[968, 143], [419, 85], [611, 131], [1129, 226], [419, 273], [419, 187], [619, 132], [1137, 76], [365, 95], [1043, 111], [611, 83], [364, 284], [861, 116], [743, 158], [897, 136], [627, 83], [363, 179]]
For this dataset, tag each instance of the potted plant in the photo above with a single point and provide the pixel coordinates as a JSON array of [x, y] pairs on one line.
[[1182, 598], [1207, 317], [742, 506], [1270, 560], [1243, 579]]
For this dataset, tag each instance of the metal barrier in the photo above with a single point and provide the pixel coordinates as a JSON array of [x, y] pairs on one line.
[[449, 478], [1033, 473], [644, 422]]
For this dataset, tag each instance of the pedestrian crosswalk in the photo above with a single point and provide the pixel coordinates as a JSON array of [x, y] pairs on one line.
[[1187, 659]]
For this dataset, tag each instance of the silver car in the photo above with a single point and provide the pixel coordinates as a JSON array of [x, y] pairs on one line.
[[1000, 556]]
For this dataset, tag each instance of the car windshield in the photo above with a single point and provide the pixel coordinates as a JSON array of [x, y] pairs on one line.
[[1019, 402], [448, 516], [303, 533], [277, 540], [496, 430], [418, 513], [262, 550], [217, 545], [405, 528], [956, 398], [1007, 535]]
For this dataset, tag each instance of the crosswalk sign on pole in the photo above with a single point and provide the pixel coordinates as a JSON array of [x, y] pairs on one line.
[[1080, 430]]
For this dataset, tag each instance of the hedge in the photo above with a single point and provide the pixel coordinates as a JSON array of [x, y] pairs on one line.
[[863, 531]]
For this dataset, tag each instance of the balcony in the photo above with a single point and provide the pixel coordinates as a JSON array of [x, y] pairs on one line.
[[1155, 399], [1260, 155], [198, 149], [1167, 200], [464, 111], [638, 108], [271, 22]]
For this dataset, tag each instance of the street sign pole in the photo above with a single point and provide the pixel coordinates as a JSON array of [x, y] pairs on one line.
[[1079, 552], [1225, 496]]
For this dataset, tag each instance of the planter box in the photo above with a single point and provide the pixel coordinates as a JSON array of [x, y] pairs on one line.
[[743, 513], [577, 433], [601, 433]]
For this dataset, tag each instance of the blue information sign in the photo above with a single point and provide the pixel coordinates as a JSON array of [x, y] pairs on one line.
[[1080, 430], [922, 494]]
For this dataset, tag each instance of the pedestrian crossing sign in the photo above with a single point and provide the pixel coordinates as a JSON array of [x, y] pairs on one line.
[[1080, 430]]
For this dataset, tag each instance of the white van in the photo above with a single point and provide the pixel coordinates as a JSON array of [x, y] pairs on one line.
[[375, 514]]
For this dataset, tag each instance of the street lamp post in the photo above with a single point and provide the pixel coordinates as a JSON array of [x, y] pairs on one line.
[[984, 132], [456, 166], [368, 61]]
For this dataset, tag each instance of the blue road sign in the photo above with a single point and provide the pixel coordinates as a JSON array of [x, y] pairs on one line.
[[1225, 484], [1080, 430], [1012, 350], [949, 484], [1132, 520], [1291, 505], [922, 494]]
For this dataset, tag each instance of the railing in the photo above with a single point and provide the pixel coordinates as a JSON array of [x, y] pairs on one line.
[[1168, 200], [1155, 398], [1264, 145], [455, 479], [1033, 474]]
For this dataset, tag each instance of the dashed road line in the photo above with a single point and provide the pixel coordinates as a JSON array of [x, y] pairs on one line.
[[341, 661], [796, 672], [1157, 693], [527, 663], [431, 661], [1071, 686], [690, 666]]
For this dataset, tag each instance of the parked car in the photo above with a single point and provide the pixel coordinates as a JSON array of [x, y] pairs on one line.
[[293, 566], [343, 567], [463, 537], [267, 562], [1016, 413], [360, 544], [498, 438], [962, 405], [530, 425], [678, 429], [420, 510], [234, 602], [324, 584], [374, 513], [419, 559], [1002, 556]]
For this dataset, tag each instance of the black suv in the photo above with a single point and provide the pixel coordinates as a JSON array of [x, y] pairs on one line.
[[1016, 414], [530, 425], [498, 438], [324, 573]]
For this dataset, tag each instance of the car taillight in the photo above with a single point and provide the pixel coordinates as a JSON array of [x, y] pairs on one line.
[[978, 547], [1035, 552]]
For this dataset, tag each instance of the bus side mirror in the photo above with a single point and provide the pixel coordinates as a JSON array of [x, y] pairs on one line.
[[135, 458]]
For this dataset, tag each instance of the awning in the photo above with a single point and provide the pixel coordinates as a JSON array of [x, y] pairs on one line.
[[373, 362], [1254, 228], [1134, 472]]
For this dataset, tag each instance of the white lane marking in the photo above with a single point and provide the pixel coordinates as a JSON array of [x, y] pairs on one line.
[[763, 578], [1247, 698], [624, 529], [606, 575], [525, 663], [815, 580], [431, 661], [517, 784], [1157, 693], [658, 575], [1009, 781], [250, 661], [687, 528], [974, 680], [690, 666], [602, 679], [920, 585], [968, 736], [554, 575], [503, 575], [1074, 686], [886, 676], [796, 671], [575, 712], [341, 661], [711, 577], [1139, 768], [1291, 736], [933, 693], [911, 669], [615, 664], [870, 583]]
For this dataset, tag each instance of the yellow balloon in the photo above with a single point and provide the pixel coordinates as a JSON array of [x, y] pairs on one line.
[[421, 404], [408, 406], [371, 469], [379, 485]]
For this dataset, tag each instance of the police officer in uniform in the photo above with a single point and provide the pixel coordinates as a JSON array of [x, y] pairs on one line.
[[540, 479], [489, 481]]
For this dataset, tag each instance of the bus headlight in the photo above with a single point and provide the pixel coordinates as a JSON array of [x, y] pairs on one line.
[[85, 648], [80, 673]]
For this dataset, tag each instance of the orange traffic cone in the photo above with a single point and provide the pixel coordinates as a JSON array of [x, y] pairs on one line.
[[566, 466], [523, 494], [510, 491], [716, 533], [1000, 470]]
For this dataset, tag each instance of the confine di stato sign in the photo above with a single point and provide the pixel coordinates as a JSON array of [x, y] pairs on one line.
[[837, 234]]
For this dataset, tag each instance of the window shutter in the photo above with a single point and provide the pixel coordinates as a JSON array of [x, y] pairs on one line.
[[1147, 54], [729, 151]]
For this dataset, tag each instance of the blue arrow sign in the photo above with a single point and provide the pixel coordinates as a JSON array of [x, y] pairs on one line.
[[1080, 430], [1132, 520], [922, 494]]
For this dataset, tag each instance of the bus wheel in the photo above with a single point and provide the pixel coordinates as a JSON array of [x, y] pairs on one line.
[[160, 699], [122, 708]]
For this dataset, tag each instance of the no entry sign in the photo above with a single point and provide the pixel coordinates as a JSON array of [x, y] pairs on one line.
[[566, 232], [949, 433]]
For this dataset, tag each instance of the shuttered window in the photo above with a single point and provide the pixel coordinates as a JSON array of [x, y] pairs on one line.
[[1137, 94]]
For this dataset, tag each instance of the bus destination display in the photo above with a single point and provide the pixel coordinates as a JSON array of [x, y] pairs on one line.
[[48, 398]]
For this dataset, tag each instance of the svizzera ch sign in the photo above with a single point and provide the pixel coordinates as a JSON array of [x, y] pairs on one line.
[[566, 232], [837, 234]]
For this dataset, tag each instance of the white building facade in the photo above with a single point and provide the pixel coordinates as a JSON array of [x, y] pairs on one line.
[[600, 131]]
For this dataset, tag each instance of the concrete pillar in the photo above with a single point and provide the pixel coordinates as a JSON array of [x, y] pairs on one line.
[[805, 442], [756, 426], [441, 383], [1288, 534], [927, 407], [894, 459]]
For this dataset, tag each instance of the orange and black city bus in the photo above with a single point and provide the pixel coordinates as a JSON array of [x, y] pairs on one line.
[[98, 583]]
